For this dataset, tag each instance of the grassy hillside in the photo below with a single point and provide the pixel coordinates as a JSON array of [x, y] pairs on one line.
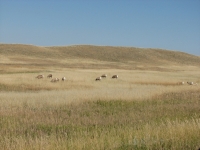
[[128, 54], [94, 57], [145, 108]]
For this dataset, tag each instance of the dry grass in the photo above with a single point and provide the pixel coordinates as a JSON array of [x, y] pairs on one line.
[[55, 124], [86, 56], [140, 110], [144, 109], [130, 85]]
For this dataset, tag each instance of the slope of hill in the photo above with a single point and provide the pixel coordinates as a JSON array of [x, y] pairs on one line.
[[127, 54], [83, 56]]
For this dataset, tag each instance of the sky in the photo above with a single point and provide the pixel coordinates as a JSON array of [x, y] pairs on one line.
[[165, 24]]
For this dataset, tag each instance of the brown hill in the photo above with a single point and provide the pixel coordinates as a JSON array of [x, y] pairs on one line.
[[88, 56]]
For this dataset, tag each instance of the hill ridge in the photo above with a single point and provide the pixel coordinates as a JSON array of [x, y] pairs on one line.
[[107, 54]]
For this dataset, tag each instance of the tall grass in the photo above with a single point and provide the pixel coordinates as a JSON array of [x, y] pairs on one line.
[[150, 124], [140, 110]]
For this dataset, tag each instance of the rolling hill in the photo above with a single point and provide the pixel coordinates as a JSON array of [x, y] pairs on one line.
[[88, 56]]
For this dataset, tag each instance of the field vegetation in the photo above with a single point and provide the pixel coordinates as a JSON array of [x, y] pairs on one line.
[[144, 108]]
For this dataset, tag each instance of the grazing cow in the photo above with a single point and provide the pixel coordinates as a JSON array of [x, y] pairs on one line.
[[190, 83], [63, 78], [55, 80], [98, 79], [40, 76], [180, 83], [115, 76], [104, 75], [50, 76]]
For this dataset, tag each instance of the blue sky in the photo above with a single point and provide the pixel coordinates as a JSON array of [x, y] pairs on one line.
[[165, 24]]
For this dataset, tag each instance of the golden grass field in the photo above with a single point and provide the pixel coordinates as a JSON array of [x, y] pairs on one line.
[[144, 108]]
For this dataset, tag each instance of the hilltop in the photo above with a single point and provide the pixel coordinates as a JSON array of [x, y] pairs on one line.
[[89, 56]]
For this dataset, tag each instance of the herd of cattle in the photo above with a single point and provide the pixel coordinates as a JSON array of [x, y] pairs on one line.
[[100, 78], [51, 76], [189, 83], [104, 76], [63, 78]]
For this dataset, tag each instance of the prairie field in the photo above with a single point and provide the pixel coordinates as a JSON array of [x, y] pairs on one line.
[[145, 108]]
